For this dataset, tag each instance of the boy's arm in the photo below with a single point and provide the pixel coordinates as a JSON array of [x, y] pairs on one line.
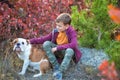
[[41, 40]]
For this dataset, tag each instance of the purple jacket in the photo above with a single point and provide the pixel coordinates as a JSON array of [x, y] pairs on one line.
[[72, 38]]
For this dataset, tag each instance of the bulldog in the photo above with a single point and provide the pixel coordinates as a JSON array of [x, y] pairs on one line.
[[34, 57]]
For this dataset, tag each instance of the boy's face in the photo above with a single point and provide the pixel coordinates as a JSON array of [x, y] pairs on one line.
[[61, 27]]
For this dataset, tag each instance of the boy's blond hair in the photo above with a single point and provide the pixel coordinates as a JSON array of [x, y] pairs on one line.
[[65, 18]]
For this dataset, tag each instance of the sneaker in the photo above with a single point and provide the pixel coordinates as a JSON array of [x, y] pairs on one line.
[[57, 75]]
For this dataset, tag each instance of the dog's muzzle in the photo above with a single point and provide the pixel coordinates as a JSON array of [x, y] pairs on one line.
[[18, 49]]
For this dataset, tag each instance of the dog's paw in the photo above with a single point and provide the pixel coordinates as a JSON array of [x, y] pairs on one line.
[[21, 73], [37, 75]]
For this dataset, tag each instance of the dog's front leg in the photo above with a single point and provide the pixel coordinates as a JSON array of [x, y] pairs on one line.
[[24, 68]]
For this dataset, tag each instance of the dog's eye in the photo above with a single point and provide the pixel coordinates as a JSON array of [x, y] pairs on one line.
[[22, 42]]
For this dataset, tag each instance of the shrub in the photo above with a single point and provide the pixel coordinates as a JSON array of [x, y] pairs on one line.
[[31, 18], [108, 71], [96, 27]]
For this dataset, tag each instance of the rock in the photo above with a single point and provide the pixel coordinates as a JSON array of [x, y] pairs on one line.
[[92, 57]]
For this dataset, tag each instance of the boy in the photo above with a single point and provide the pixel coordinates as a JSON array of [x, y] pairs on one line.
[[61, 43]]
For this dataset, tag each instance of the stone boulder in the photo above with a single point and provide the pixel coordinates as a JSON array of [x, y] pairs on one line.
[[92, 57]]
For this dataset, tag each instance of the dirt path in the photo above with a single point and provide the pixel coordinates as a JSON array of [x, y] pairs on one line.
[[75, 72]]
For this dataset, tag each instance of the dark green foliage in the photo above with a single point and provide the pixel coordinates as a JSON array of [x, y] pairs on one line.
[[96, 26], [114, 52]]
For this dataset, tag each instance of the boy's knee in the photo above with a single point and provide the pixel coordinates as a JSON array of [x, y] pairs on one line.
[[69, 52], [46, 44]]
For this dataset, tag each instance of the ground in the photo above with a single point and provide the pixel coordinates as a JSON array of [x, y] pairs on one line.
[[74, 72]]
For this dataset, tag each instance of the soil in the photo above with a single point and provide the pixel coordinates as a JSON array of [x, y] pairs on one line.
[[74, 72]]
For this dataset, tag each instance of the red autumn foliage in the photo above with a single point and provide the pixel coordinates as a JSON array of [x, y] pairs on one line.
[[117, 38], [114, 13], [108, 71], [32, 18]]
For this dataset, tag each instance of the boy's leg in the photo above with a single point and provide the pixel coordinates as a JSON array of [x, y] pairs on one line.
[[68, 54], [67, 58], [48, 45]]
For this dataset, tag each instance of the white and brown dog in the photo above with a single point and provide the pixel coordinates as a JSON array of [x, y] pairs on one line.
[[31, 56]]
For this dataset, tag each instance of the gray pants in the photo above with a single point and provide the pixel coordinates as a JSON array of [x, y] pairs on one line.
[[68, 54]]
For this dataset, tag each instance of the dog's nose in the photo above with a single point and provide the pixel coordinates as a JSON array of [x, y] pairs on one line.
[[18, 44]]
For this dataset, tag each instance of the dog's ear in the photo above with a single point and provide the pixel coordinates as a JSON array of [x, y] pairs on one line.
[[10, 42], [14, 41]]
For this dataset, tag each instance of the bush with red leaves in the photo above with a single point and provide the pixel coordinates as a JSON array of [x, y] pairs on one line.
[[32, 18]]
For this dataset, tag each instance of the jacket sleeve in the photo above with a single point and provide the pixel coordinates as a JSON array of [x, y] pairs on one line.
[[42, 39], [72, 42]]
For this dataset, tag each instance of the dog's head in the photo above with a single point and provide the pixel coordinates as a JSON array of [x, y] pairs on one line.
[[20, 44]]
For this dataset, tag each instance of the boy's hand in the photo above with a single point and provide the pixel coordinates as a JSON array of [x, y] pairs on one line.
[[28, 41], [54, 49]]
